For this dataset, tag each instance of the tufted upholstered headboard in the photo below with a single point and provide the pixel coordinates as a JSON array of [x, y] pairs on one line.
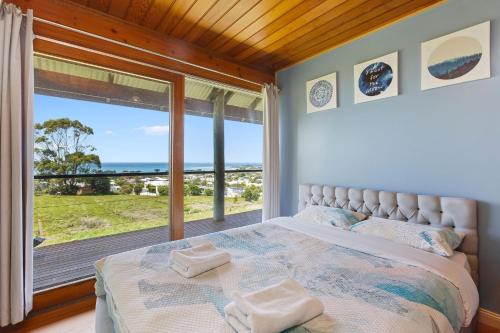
[[457, 213]]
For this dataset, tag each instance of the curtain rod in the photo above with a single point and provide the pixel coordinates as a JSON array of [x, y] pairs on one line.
[[135, 48]]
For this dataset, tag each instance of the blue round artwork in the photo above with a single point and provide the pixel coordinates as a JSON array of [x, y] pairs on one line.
[[321, 93], [375, 79]]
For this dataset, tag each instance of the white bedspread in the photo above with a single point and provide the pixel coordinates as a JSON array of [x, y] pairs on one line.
[[451, 270], [366, 284]]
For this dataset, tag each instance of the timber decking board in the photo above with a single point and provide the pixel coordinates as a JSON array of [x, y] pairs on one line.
[[67, 262]]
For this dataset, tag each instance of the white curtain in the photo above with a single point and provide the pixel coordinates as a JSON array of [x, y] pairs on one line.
[[271, 165], [16, 164]]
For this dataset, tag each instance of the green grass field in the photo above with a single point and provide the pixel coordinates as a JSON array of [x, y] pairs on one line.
[[64, 218]]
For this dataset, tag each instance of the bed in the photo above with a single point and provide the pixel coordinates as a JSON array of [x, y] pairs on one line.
[[366, 285]]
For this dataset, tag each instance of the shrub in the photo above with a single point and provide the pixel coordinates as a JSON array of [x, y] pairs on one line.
[[151, 188], [126, 189], [138, 188], [99, 185], [209, 192], [251, 193], [163, 190], [194, 190], [62, 188]]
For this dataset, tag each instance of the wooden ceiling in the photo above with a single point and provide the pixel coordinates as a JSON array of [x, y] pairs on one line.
[[269, 34]]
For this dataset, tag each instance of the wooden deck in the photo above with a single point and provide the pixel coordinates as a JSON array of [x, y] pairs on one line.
[[62, 263]]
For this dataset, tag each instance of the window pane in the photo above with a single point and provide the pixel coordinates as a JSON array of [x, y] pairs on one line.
[[101, 165], [221, 124]]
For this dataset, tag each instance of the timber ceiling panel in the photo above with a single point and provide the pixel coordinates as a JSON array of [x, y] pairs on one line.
[[271, 34]]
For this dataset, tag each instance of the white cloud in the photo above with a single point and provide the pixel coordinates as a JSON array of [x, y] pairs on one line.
[[109, 132], [155, 130]]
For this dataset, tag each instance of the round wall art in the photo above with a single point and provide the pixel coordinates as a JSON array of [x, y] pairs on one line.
[[321, 93], [375, 79], [459, 57], [454, 58]]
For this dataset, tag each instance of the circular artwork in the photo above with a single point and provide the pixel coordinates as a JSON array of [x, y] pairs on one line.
[[375, 79], [454, 58], [321, 93]]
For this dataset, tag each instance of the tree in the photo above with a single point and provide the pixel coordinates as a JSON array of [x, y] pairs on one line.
[[99, 185], [126, 189], [163, 190], [151, 188], [60, 149], [251, 193], [194, 189], [138, 188]]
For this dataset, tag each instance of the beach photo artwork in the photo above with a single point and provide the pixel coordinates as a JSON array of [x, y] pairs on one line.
[[321, 93], [455, 58], [376, 78]]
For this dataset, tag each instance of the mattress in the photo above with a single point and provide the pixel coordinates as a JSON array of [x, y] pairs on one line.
[[460, 258], [366, 285]]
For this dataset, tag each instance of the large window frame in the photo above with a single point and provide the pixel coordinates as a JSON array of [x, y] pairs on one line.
[[124, 59], [84, 288]]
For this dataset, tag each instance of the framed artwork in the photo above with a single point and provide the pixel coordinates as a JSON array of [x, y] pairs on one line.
[[459, 57], [376, 78], [322, 93]]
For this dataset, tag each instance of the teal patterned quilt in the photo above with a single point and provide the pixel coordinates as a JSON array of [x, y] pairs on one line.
[[362, 292]]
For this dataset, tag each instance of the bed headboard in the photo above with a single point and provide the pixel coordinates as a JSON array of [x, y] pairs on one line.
[[457, 213]]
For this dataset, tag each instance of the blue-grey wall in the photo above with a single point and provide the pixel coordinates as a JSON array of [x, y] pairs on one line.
[[444, 141]]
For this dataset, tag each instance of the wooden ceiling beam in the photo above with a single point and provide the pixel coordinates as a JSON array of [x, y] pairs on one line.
[[71, 53], [255, 102], [228, 95], [95, 22]]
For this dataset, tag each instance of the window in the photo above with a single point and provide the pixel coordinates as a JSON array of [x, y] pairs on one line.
[[223, 157], [101, 166]]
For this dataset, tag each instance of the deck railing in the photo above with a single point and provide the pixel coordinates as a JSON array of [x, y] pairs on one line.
[[65, 218], [134, 174]]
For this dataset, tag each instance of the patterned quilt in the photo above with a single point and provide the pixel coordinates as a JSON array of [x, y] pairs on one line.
[[361, 292]]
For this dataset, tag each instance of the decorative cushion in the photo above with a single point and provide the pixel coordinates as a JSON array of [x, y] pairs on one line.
[[338, 217], [441, 241]]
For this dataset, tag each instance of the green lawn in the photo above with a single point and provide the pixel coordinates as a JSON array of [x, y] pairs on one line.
[[64, 218]]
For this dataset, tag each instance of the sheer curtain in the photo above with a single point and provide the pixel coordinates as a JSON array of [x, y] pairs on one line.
[[271, 165], [16, 164]]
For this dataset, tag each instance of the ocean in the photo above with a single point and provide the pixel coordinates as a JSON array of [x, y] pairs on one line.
[[163, 166]]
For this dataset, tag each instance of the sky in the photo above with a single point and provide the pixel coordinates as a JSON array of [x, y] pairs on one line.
[[125, 134]]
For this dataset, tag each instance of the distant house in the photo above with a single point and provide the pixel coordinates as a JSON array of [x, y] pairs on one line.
[[115, 188], [232, 192]]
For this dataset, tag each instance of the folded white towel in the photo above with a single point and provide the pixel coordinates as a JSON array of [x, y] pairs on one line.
[[198, 259], [272, 309]]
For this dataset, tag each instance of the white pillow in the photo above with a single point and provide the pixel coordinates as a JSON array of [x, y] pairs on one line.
[[338, 217], [441, 241]]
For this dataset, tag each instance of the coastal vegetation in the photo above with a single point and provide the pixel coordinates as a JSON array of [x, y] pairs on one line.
[[77, 208], [64, 218]]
